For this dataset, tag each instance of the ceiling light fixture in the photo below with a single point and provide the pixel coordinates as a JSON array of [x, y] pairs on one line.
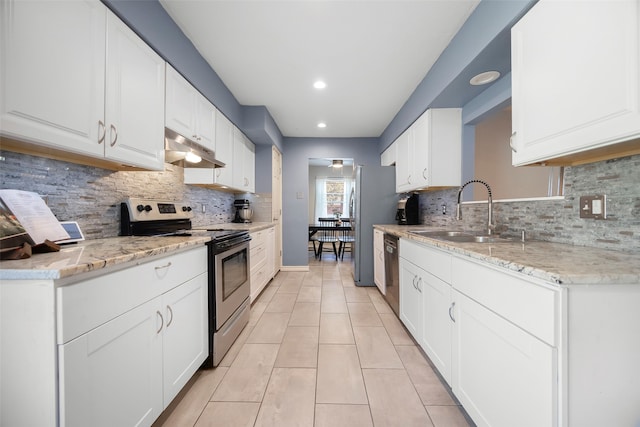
[[322, 125], [320, 84], [192, 157], [336, 164], [484, 78]]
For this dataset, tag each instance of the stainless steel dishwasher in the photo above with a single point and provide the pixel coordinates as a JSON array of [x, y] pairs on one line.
[[392, 272]]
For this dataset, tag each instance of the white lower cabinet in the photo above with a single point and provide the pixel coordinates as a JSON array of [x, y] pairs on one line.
[[437, 332], [502, 375], [137, 362], [261, 260], [378, 261], [411, 284]]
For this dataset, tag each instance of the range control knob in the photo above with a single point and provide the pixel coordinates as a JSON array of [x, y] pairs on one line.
[[147, 208], [186, 208], [140, 208]]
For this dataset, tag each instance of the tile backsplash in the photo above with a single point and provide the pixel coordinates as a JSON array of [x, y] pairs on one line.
[[92, 196], [558, 220]]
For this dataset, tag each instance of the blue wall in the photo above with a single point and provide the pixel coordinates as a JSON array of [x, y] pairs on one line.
[[295, 180]]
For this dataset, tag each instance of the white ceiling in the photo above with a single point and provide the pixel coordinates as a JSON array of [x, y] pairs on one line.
[[371, 53]]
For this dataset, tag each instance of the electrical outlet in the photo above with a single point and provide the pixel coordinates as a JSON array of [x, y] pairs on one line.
[[594, 207], [204, 208]]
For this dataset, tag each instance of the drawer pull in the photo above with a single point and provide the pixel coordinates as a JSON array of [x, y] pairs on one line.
[[513, 147], [453, 304], [160, 267], [161, 321], [171, 313]]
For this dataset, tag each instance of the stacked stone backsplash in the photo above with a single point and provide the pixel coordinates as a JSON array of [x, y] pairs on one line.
[[92, 196], [558, 220]]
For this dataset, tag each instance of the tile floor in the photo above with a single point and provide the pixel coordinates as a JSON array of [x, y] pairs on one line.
[[318, 351]]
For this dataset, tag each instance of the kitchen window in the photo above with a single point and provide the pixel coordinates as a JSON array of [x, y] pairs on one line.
[[332, 196]]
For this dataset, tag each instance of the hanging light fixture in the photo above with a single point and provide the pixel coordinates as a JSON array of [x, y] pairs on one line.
[[336, 164]]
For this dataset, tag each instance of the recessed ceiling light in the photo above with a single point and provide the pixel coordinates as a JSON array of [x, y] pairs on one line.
[[320, 84], [484, 78], [336, 164], [322, 125]]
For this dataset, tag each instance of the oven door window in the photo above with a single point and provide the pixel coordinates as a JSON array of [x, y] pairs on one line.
[[234, 272]]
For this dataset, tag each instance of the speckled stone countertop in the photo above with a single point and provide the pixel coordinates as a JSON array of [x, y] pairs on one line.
[[553, 262], [92, 255]]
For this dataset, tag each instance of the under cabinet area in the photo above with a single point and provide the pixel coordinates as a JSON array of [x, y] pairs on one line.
[[94, 90], [109, 349], [559, 49]]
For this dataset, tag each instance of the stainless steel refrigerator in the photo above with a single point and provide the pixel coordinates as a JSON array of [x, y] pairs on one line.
[[373, 201]]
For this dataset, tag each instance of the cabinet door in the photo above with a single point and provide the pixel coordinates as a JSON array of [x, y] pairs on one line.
[[378, 260], [224, 149], [179, 104], [134, 100], [575, 85], [185, 339], [205, 122], [411, 298], [420, 151], [502, 375], [249, 165], [404, 162], [112, 375], [52, 70], [437, 328]]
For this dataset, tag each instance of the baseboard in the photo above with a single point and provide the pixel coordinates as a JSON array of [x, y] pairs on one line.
[[298, 268]]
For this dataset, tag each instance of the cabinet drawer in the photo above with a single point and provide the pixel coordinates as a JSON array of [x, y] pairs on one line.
[[87, 304], [434, 261], [258, 238], [525, 303], [257, 256]]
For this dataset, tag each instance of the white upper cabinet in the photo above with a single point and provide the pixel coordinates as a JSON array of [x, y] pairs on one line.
[[244, 159], [224, 150], [54, 95], [388, 156], [188, 112], [575, 77], [429, 153], [87, 86], [134, 99]]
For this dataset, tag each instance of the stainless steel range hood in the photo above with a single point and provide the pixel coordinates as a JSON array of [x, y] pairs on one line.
[[178, 149]]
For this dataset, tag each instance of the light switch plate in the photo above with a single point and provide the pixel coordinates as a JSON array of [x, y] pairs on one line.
[[594, 207]]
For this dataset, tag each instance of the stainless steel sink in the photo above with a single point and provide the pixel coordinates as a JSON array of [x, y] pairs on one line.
[[461, 236]]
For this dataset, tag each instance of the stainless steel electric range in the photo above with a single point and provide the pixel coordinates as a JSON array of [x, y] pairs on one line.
[[228, 265]]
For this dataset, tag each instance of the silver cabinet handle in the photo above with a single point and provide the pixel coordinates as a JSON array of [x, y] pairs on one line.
[[171, 313], [424, 173], [104, 131], [113, 129], [513, 147], [418, 287], [409, 179], [453, 304], [160, 267], [161, 321]]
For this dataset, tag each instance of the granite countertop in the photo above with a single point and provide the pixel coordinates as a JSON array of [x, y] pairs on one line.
[[553, 262], [91, 255]]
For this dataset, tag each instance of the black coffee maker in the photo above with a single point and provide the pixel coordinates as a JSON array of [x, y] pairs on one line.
[[408, 210]]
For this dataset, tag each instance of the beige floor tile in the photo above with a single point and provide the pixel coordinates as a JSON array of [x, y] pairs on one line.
[[269, 329], [396, 331], [447, 416], [309, 294], [299, 348], [228, 358], [333, 305], [268, 293], [191, 401], [290, 287], [335, 328], [379, 302], [289, 400], [393, 400], [281, 303], [331, 415], [247, 378], [225, 414], [356, 294], [363, 314], [427, 383], [339, 375], [375, 348], [305, 314], [257, 308]]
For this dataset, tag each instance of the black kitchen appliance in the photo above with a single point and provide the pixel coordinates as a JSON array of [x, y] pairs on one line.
[[228, 265], [408, 212], [243, 211]]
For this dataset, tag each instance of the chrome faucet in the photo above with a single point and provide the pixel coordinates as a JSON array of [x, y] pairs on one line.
[[490, 225]]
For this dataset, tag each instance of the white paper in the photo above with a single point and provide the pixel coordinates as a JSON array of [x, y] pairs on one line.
[[34, 215]]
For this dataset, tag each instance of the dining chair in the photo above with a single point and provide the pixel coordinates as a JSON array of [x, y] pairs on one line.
[[345, 238], [326, 236]]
